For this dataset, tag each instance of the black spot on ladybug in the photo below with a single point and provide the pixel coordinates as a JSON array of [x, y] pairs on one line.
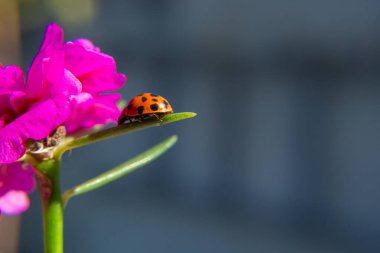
[[143, 99], [129, 107], [166, 103], [140, 109], [153, 95], [154, 107], [154, 100]]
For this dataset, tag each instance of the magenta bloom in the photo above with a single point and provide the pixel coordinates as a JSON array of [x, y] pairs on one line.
[[89, 73], [65, 85], [16, 179]]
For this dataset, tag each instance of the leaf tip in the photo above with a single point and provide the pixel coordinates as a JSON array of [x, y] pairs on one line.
[[172, 139], [192, 114]]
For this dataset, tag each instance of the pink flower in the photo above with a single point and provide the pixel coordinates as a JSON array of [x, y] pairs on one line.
[[65, 85], [16, 179], [88, 70]]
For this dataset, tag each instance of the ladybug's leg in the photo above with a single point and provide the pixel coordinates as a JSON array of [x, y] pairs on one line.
[[131, 119], [157, 117]]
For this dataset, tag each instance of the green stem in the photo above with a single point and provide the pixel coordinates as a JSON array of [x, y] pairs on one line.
[[49, 187]]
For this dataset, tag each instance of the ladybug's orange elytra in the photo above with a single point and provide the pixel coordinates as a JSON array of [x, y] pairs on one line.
[[143, 106]]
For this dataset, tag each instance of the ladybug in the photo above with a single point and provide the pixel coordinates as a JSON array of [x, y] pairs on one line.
[[145, 105]]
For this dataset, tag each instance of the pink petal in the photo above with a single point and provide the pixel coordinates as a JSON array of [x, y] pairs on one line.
[[99, 110], [14, 202], [16, 179], [82, 102], [96, 71], [37, 123], [53, 36], [5, 107], [105, 109], [85, 43], [47, 66], [4, 119], [11, 79], [18, 102], [12, 103], [16, 176]]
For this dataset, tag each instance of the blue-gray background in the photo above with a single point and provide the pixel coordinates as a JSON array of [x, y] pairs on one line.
[[284, 155]]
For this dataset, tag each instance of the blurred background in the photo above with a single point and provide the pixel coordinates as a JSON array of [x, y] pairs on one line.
[[284, 155]]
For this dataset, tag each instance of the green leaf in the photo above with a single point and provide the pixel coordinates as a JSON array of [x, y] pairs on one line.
[[120, 130], [121, 170]]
